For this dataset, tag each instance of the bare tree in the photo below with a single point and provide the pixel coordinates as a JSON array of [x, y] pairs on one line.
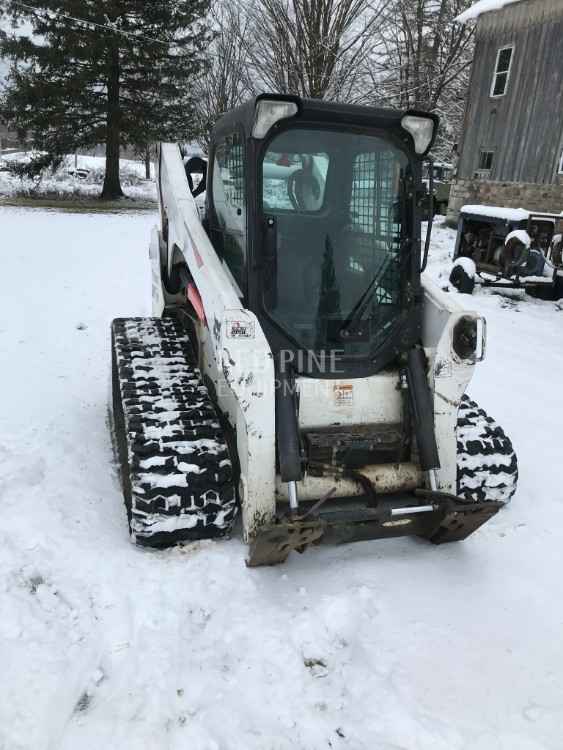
[[422, 59], [422, 52], [313, 48], [227, 82], [397, 53]]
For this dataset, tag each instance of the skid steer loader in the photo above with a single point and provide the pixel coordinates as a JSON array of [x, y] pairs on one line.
[[298, 366]]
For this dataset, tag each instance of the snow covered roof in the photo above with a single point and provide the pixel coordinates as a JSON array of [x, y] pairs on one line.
[[482, 6], [497, 212], [509, 214]]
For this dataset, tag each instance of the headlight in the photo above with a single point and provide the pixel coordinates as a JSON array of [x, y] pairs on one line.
[[270, 111], [422, 129], [469, 338]]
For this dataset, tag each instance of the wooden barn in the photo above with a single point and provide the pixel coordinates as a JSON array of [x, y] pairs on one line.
[[511, 152]]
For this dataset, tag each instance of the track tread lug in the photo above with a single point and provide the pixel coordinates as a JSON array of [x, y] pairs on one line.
[[176, 471], [487, 466]]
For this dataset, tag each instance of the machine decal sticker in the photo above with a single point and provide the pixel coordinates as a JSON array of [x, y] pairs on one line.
[[343, 394], [240, 329], [194, 297], [198, 258]]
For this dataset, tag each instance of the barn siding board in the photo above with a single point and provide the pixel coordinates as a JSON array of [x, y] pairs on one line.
[[539, 153], [554, 93], [524, 166], [524, 127]]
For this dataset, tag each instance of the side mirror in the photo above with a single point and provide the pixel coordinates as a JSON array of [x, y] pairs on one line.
[[196, 167]]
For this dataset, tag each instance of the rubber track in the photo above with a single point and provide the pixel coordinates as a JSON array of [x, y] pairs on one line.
[[487, 467], [175, 468]]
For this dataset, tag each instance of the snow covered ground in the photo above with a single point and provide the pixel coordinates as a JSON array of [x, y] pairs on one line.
[[389, 645], [65, 182]]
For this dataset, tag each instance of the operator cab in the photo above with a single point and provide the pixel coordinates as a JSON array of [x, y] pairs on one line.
[[313, 208]]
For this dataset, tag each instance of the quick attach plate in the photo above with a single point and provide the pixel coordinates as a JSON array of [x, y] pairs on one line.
[[436, 516], [273, 543]]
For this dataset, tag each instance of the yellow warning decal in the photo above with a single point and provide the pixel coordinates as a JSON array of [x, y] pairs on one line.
[[343, 393]]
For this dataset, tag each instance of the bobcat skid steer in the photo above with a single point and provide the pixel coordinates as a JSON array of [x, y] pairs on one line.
[[297, 366]]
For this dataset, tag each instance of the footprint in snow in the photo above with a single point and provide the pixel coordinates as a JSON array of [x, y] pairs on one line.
[[34, 582], [87, 696], [83, 703], [317, 667]]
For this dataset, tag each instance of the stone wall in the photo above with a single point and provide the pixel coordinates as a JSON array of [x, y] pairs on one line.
[[527, 195]]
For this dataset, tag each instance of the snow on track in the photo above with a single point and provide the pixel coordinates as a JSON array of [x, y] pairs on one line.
[[384, 645]]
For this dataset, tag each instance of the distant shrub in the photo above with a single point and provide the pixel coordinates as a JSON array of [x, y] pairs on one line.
[[35, 168]]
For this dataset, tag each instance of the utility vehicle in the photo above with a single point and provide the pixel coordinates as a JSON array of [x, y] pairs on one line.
[[298, 366]]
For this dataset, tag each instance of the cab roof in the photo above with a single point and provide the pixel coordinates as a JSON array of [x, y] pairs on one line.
[[315, 110]]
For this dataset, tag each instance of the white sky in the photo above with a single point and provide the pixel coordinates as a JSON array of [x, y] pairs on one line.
[[6, 26]]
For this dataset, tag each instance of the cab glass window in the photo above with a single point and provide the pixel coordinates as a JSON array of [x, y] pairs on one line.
[[228, 225], [335, 219], [294, 180]]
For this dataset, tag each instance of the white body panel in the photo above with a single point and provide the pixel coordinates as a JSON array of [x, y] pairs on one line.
[[359, 401], [235, 358], [233, 350], [449, 375]]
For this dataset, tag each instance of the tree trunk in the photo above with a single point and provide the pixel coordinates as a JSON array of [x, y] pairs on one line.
[[112, 185], [148, 162]]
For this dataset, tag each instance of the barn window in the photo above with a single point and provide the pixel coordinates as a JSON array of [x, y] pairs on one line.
[[486, 160], [502, 71]]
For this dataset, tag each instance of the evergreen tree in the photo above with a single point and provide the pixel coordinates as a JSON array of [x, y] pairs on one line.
[[104, 71]]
